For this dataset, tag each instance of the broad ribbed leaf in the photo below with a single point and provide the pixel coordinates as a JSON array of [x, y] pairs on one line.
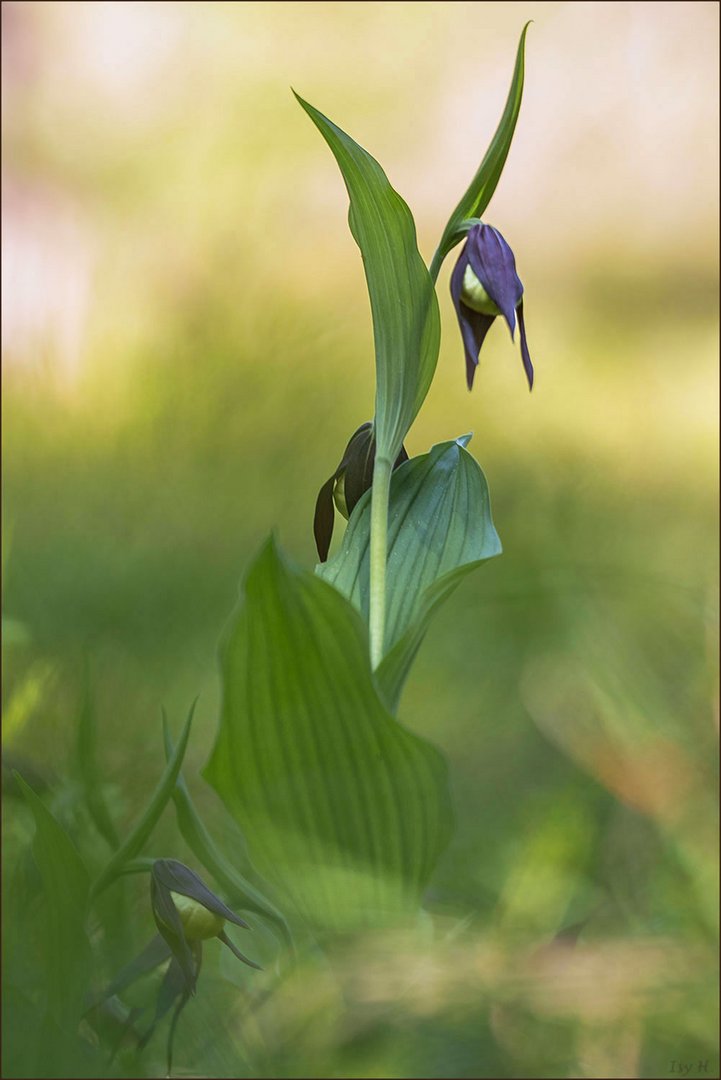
[[241, 892], [61, 922], [406, 324], [482, 186], [439, 528], [343, 808]]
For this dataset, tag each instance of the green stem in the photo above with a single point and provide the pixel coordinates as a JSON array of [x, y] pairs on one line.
[[380, 493], [436, 263]]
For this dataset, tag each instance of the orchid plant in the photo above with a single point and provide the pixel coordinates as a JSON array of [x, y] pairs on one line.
[[344, 810]]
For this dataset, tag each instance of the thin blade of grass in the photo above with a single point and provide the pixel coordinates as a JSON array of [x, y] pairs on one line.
[[130, 847]]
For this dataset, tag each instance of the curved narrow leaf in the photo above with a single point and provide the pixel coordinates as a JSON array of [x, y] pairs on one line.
[[406, 323], [132, 845], [143, 865], [65, 881], [439, 528], [482, 186], [342, 807], [241, 892]]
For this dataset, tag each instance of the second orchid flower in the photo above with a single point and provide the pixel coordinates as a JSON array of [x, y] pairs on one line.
[[484, 284]]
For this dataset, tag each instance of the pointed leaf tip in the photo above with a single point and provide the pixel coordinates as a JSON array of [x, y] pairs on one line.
[[404, 306], [481, 188]]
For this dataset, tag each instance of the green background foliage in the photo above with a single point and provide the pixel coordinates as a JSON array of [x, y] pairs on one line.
[[188, 344]]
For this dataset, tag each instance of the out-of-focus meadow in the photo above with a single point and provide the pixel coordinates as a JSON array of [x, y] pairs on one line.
[[187, 347]]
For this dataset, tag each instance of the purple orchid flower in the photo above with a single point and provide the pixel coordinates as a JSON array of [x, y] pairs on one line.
[[484, 284], [186, 914]]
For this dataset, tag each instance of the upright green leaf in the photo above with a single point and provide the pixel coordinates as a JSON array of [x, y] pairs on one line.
[[406, 324], [342, 807], [65, 883], [439, 528], [482, 186]]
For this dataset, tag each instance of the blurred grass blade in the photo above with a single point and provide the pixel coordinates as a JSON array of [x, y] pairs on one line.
[[155, 953], [406, 324], [28, 694], [241, 892], [482, 186], [61, 924], [439, 528], [89, 775], [343, 808], [163, 792]]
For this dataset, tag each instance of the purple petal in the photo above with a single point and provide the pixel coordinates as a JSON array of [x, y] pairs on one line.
[[179, 878], [493, 263], [171, 988], [236, 951], [168, 922], [358, 464], [525, 355], [324, 518], [171, 992], [474, 326]]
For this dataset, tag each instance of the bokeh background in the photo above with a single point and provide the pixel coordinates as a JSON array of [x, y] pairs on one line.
[[187, 347]]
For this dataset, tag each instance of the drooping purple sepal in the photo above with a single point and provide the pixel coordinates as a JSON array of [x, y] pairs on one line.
[[168, 921], [176, 877], [525, 355]]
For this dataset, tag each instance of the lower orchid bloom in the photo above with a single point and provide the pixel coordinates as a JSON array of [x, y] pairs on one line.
[[186, 913]]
